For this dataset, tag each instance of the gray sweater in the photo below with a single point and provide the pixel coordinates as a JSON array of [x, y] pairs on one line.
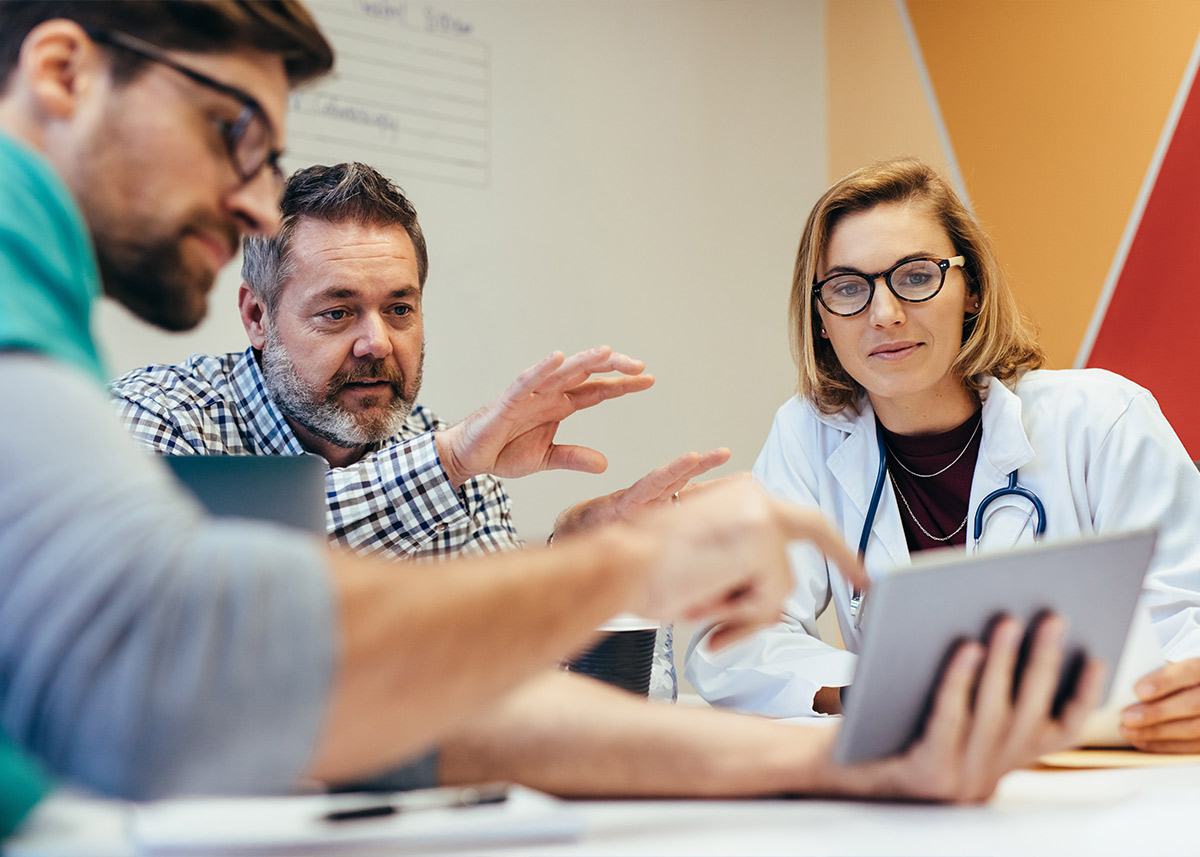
[[146, 649]]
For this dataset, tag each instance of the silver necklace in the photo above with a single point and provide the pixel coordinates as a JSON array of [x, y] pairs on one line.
[[896, 458], [900, 494]]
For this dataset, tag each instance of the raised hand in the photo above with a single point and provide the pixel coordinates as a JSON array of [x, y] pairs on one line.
[[513, 435], [656, 488]]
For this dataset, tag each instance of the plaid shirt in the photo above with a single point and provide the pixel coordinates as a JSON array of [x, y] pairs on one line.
[[396, 501]]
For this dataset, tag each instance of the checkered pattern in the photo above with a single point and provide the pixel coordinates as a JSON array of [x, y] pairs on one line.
[[395, 502]]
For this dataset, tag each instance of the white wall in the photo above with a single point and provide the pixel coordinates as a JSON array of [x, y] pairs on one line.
[[649, 166]]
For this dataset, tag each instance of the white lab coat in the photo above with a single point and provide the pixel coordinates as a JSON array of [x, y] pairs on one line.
[[1092, 445]]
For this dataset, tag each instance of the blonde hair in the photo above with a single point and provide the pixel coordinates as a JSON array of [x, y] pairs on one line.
[[999, 340]]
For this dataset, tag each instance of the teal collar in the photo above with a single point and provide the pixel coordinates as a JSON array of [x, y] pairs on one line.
[[48, 268]]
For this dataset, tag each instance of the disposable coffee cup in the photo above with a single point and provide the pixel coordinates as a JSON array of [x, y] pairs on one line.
[[624, 655]]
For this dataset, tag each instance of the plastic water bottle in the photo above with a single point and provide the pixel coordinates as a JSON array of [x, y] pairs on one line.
[[664, 684]]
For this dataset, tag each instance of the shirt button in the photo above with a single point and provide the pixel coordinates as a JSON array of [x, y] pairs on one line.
[[441, 528]]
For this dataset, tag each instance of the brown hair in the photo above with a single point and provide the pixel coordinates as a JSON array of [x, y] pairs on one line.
[[282, 27], [999, 340], [344, 193]]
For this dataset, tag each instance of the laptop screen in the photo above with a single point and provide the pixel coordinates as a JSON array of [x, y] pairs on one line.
[[285, 489]]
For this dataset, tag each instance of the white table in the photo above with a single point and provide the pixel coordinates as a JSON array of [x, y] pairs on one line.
[[1060, 812]]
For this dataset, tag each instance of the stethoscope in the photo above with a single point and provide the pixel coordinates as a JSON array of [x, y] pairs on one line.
[[1011, 490]]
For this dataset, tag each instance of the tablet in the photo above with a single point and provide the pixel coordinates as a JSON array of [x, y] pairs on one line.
[[285, 489], [913, 618]]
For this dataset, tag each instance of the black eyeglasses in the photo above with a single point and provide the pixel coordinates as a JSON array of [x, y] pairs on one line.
[[912, 280], [248, 138]]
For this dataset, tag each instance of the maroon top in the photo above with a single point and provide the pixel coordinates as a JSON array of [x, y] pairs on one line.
[[937, 503]]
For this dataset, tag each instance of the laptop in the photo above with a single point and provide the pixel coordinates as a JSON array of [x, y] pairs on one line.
[[284, 489], [913, 619]]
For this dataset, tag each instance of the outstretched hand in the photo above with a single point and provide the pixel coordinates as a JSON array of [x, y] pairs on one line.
[[513, 435], [722, 557], [658, 487]]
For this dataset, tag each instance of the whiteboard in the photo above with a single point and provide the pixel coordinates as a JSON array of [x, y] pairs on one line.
[[589, 172]]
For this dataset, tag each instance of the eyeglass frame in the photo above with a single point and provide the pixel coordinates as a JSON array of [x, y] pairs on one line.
[[944, 265], [231, 132]]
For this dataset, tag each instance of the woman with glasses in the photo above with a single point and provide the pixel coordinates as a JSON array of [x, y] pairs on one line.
[[912, 352]]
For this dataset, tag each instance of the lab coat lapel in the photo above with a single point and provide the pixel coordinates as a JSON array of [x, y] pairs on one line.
[[855, 464], [1005, 447]]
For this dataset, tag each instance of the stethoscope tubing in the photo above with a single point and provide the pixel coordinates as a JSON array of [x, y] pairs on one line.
[[1011, 490]]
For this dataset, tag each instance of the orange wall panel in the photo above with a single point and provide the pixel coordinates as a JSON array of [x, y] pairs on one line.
[[878, 104], [1054, 109]]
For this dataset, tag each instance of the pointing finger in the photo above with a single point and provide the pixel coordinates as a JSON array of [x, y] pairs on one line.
[[799, 523]]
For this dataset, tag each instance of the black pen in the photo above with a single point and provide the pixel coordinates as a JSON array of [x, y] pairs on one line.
[[440, 798]]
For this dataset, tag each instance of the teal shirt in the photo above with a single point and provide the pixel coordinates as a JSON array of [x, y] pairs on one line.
[[48, 283], [22, 784], [49, 279], [195, 656]]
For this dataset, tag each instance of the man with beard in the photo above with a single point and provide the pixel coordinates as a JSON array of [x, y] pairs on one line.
[[332, 307], [148, 649]]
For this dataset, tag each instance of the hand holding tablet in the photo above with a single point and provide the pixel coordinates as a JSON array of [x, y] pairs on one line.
[[920, 622], [988, 716]]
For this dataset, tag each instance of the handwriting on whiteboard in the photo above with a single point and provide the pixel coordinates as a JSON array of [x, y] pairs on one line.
[[432, 19], [410, 94]]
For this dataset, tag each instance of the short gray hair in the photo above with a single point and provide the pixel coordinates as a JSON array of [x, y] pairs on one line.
[[350, 192]]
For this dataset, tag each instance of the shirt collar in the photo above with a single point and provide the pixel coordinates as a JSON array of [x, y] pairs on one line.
[[1005, 445], [269, 430], [854, 463], [47, 264]]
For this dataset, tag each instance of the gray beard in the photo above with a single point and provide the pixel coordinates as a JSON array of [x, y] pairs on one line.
[[319, 411]]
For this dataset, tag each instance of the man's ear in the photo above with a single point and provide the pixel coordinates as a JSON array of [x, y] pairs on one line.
[[253, 315], [57, 67]]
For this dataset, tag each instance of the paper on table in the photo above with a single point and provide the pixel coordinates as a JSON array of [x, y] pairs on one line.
[[1107, 758], [297, 825], [1142, 654]]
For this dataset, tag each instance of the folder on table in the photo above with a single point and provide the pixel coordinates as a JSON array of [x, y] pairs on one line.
[[300, 825]]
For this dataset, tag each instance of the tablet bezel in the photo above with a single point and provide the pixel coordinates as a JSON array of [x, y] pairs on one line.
[[913, 617]]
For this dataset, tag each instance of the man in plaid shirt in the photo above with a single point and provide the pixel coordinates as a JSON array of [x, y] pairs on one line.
[[150, 650], [332, 307]]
